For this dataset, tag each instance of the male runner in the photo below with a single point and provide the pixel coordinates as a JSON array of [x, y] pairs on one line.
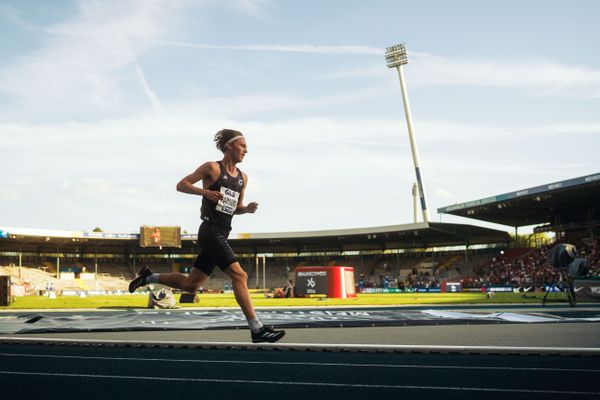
[[223, 186]]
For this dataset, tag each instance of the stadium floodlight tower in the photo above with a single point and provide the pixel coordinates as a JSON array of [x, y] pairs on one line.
[[396, 57]]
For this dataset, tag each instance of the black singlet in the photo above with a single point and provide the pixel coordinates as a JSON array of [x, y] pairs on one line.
[[221, 213]]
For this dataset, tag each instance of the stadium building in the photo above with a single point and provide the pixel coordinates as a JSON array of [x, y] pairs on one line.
[[425, 252]]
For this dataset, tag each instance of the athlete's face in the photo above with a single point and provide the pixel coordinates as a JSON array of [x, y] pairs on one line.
[[238, 149]]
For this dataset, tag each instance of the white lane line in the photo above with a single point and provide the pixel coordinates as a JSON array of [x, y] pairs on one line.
[[297, 383], [307, 346], [316, 364]]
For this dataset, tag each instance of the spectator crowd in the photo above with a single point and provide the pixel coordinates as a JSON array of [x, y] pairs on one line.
[[529, 267]]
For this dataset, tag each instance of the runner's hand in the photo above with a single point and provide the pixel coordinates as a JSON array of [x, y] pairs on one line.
[[251, 207], [213, 195]]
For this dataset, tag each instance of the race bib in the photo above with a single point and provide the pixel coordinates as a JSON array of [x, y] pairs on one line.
[[228, 203]]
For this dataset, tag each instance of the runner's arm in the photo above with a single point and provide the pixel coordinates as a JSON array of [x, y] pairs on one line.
[[241, 208], [206, 170]]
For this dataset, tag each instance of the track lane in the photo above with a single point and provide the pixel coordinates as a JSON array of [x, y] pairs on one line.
[[127, 370]]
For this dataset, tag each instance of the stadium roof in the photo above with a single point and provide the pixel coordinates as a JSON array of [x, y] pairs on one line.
[[418, 235], [570, 200]]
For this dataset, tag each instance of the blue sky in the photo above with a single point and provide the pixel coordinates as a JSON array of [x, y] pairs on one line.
[[105, 105]]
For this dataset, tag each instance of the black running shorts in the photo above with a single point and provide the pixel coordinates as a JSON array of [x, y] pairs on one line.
[[214, 248]]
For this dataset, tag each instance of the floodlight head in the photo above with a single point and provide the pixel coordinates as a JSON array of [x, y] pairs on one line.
[[396, 56]]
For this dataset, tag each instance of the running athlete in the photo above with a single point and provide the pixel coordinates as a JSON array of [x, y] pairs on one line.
[[223, 186]]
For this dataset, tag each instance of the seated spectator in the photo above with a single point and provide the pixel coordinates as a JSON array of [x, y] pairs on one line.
[[288, 290]]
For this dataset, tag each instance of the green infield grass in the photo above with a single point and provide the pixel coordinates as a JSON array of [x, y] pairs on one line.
[[227, 300]]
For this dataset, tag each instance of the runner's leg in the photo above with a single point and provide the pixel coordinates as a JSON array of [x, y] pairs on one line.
[[259, 332], [189, 283], [239, 282]]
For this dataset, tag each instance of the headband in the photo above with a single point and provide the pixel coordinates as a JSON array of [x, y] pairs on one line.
[[233, 139]]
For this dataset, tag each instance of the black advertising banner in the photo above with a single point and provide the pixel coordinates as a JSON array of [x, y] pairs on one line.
[[311, 282], [587, 289]]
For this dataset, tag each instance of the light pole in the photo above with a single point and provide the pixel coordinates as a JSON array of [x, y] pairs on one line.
[[396, 57], [415, 193]]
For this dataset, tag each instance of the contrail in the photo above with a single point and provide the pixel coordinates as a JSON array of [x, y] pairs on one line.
[[294, 48], [156, 103]]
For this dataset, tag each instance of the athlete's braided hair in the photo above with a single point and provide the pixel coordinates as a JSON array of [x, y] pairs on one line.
[[223, 136]]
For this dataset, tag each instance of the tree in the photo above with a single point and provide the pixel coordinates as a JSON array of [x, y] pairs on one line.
[[531, 240]]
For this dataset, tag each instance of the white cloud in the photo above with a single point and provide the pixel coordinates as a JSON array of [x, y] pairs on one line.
[[253, 104], [137, 197], [89, 187], [254, 8], [465, 133], [13, 15], [307, 173], [10, 194], [542, 77], [284, 48], [446, 195], [82, 62], [103, 166], [537, 76], [590, 128]]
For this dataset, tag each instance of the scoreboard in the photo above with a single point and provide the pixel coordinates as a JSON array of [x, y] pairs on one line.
[[160, 236]]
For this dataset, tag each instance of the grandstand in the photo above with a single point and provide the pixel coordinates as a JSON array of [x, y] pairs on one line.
[[568, 208], [398, 252]]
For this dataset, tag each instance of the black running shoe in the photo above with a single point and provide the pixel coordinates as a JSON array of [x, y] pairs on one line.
[[267, 334], [140, 280]]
